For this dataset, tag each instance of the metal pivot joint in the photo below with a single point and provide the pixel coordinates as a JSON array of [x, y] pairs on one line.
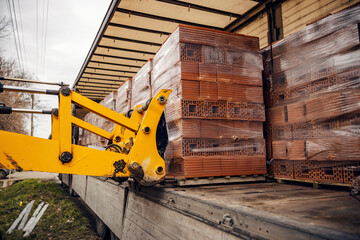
[[162, 100], [66, 157], [65, 91]]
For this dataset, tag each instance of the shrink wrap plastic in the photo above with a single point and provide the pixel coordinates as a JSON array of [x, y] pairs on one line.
[[312, 97], [141, 85], [215, 113], [123, 99]]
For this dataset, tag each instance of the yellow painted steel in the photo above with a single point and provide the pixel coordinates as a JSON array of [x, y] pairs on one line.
[[65, 123], [28, 153], [55, 127], [91, 128], [138, 158], [104, 112], [144, 152]]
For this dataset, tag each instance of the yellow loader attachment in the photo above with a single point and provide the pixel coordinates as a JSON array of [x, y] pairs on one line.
[[133, 151]]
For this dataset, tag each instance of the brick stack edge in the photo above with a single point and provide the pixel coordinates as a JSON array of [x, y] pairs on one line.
[[312, 97], [216, 111]]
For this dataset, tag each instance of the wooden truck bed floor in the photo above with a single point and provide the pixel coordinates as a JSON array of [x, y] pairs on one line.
[[246, 210]]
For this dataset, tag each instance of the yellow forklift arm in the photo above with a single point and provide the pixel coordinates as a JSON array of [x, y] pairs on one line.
[[133, 152]]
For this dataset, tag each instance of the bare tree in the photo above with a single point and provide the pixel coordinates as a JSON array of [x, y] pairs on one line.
[[12, 122]]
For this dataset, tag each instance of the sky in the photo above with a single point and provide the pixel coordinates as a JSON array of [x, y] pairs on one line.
[[55, 38]]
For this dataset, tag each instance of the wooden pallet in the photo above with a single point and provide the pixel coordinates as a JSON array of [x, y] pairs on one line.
[[214, 180], [315, 184]]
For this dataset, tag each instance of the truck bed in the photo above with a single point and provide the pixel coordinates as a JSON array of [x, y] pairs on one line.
[[246, 210]]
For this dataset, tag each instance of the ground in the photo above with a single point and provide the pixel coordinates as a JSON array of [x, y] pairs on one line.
[[62, 219]]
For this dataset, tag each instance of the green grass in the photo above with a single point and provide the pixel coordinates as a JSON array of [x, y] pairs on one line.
[[62, 219]]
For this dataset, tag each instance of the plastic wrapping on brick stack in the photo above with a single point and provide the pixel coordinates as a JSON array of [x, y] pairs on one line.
[[141, 85], [88, 138], [123, 99], [215, 113], [312, 95]]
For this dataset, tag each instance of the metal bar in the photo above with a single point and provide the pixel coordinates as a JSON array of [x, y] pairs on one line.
[[125, 58], [109, 69], [115, 64], [127, 50], [139, 29], [96, 89], [247, 17], [31, 81], [91, 128], [29, 90], [104, 112], [131, 40], [100, 74], [109, 80], [201, 8], [109, 86], [65, 129], [165, 19], [23, 110], [98, 85]]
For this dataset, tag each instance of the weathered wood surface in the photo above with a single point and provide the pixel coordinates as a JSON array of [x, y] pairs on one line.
[[244, 210]]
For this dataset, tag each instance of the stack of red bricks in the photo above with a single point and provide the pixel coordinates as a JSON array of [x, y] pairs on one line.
[[215, 113], [312, 94]]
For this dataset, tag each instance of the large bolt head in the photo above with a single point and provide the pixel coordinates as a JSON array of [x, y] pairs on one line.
[[161, 100], [66, 157]]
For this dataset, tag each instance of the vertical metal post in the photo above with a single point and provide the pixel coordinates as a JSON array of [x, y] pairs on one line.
[[65, 124], [32, 116]]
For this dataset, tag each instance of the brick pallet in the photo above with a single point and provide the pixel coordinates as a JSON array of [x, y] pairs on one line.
[[312, 86], [216, 111], [215, 114]]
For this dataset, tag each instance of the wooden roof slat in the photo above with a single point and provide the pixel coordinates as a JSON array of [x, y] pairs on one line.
[[121, 53], [126, 49], [105, 86], [158, 38], [139, 21], [107, 71], [95, 88], [113, 65], [105, 76], [139, 28], [181, 14], [235, 6], [166, 19], [200, 7], [120, 61], [103, 79]]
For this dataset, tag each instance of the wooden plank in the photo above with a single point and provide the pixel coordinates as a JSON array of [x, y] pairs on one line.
[[310, 181], [160, 222], [239, 7], [107, 72], [218, 180], [105, 77], [106, 199], [110, 60], [182, 13], [113, 67], [294, 22], [134, 34], [258, 28], [128, 54]]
